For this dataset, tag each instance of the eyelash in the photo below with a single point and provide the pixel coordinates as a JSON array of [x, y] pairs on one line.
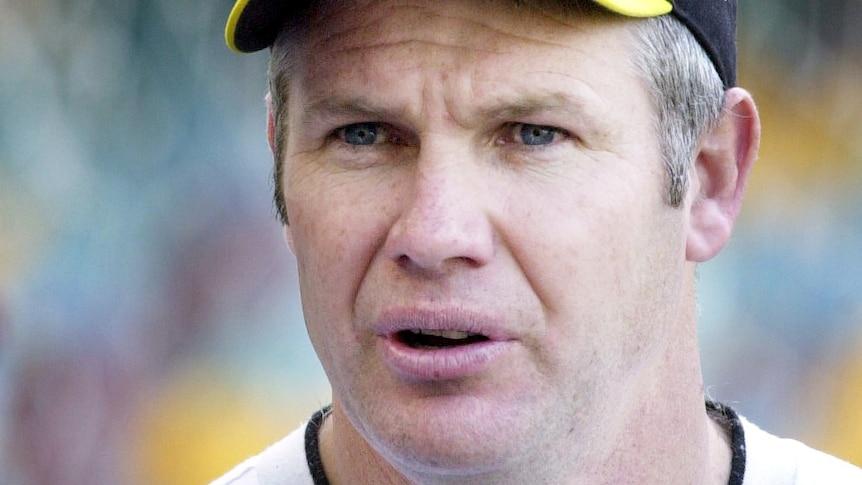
[[382, 133], [512, 133]]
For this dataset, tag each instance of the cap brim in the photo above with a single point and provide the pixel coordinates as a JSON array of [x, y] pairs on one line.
[[254, 24], [232, 21]]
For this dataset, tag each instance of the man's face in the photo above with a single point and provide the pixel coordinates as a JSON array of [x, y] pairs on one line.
[[475, 196]]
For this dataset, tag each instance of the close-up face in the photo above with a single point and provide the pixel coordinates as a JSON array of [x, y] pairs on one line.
[[476, 204]]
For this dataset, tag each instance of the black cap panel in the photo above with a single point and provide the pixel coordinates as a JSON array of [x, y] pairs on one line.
[[255, 24], [713, 23]]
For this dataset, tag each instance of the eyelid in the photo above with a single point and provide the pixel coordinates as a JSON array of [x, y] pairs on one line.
[[386, 132], [380, 132], [511, 132]]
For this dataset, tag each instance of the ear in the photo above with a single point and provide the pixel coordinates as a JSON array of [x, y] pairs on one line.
[[270, 137], [722, 167], [270, 123]]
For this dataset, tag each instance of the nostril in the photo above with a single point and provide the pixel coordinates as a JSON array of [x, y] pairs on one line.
[[403, 260]]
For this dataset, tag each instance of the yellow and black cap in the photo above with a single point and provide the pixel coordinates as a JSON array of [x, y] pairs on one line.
[[254, 24]]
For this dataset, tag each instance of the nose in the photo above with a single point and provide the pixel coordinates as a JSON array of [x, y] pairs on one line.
[[444, 220]]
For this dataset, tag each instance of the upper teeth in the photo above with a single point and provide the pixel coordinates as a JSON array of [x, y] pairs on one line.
[[449, 334]]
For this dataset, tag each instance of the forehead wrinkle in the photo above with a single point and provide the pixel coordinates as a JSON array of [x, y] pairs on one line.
[[363, 32], [409, 42]]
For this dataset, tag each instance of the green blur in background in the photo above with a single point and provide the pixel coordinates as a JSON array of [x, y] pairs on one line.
[[150, 325]]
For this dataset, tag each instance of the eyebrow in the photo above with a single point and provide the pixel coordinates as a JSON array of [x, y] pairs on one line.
[[326, 108], [530, 105], [504, 108]]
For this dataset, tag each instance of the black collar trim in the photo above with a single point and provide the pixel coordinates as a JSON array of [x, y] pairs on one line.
[[728, 418], [312, 446]]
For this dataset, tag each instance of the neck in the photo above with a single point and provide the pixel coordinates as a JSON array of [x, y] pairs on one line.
[[671, 438]]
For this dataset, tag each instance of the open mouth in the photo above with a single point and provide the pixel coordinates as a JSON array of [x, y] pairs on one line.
[[437, 339]]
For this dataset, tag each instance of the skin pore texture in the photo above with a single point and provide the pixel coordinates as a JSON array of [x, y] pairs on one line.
[[485, 169]]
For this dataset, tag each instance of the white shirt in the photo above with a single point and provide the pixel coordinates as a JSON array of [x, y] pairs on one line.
[[772, 460], [769, 461], [283, 463]]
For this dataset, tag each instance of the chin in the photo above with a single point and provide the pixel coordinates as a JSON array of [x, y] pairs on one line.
[[452, 435]]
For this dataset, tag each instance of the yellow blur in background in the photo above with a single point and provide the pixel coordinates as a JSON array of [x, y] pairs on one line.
[[150, 325]]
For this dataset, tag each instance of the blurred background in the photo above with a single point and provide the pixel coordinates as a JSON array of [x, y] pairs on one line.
[[150, 329]]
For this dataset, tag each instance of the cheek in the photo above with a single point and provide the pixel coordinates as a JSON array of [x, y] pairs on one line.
[[601, 260], [338, 224], [322, 245], [568, 246], [337, 235], [328, 276]]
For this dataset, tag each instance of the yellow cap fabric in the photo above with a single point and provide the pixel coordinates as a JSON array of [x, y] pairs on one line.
[[637, 8]]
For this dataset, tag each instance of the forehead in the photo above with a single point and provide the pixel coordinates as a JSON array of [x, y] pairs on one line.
[[333, 14], [472, 56], [344, 24]]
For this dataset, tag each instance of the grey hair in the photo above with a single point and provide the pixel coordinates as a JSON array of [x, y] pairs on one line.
[[686, 91], [281, 66], [684, 86]]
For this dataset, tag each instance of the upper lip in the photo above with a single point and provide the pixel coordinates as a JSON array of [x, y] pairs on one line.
[[453, 318]]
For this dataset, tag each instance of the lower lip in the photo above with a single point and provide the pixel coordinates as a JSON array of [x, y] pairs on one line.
[[440, 364]]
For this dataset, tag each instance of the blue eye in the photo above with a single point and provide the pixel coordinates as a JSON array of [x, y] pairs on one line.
[[360, 134], [536, 134]]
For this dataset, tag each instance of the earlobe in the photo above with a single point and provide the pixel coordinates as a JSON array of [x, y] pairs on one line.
[[723, 163], [288, 238]]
